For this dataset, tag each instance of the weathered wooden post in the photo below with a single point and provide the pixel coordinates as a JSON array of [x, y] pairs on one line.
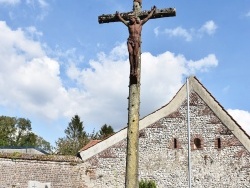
[[134, 20]]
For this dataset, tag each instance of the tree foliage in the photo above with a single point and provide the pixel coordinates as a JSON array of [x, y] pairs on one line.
[[105, 131], [44, 145], [18, 132], [147, 184], [75, 138], [7, 131]]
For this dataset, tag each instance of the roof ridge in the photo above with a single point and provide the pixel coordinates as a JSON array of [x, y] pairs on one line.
[[222, 107]]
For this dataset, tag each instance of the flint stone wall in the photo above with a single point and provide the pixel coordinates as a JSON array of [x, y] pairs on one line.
[[219, 161]]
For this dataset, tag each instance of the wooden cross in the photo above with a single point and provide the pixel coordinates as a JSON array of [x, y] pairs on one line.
[[134, 20], [159, 13]]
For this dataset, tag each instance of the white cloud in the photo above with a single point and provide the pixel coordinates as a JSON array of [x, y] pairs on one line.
[[43, 3], [248, 14], [104, 84], [33, 33], [42, 10], [156, 31], [68, 56], [73, 72], [9, 2], [242, 117], [179, 32], [15, 43], [204, 64], [208, 28], [31, 81]]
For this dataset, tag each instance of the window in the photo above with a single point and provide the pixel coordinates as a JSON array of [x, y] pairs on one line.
[[175, 143], [142, 134], [197, 143], [218, 143]]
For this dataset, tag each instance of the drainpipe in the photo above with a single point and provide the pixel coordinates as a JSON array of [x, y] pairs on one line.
[[188, 127]]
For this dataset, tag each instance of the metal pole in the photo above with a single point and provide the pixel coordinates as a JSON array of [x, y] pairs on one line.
[[188, 127]]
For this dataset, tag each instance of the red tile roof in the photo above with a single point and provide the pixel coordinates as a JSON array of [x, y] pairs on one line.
[[90, 144]]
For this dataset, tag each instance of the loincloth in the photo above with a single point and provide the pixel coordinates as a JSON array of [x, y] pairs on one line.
[[134, 41]]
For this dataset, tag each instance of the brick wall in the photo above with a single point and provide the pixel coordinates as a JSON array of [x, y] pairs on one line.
[[17, 170]]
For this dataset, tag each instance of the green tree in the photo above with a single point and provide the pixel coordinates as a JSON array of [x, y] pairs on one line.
[[7, 130], [64, 147], [28, 140], [24, 135], [94, 135], [44, 145], [75, 138], [18, 132], [105, 131]]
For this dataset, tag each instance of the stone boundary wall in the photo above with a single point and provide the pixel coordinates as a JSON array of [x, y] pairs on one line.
[[16, 170]]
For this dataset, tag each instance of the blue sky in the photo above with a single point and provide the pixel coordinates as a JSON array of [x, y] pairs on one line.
[[57, 61]]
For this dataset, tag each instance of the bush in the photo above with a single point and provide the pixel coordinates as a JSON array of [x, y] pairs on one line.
[[147, 184]]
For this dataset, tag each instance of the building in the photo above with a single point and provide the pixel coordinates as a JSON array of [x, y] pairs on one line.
[[219, 146], [27, 150]]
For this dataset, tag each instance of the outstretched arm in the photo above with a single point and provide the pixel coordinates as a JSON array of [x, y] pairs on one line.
[[149, 15], [120, 18]]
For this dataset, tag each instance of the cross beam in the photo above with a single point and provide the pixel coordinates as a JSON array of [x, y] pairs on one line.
[[159, 13], [130, 19]]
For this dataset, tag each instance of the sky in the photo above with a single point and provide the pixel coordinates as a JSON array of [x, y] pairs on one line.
[[58, 61]]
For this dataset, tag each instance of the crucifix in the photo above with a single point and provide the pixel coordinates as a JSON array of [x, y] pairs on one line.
[[134, 21]]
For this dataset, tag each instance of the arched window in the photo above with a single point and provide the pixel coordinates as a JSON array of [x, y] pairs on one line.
[[197, 143]]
